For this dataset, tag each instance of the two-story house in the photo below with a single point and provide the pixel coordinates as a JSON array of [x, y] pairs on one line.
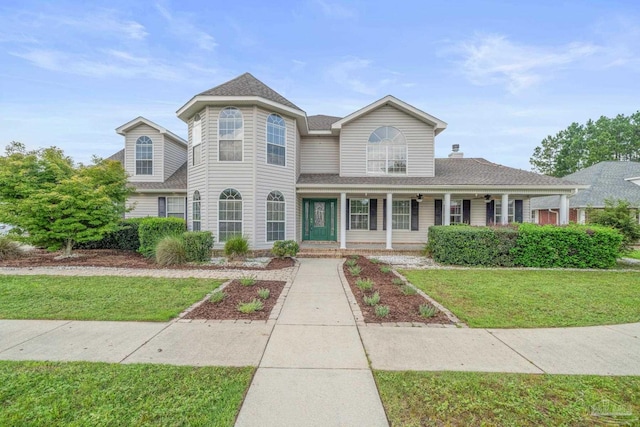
[[256, 164]]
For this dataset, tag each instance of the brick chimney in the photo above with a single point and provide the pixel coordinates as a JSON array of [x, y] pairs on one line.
[[455, 152]]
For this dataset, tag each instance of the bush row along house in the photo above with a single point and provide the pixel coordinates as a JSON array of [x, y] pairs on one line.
[[255, 164]]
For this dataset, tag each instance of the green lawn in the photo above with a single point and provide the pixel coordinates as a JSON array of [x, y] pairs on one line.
[[527, 299], [99, 298], [100, 394], [474, 399]]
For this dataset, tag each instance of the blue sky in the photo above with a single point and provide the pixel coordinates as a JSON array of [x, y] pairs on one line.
[[503, 75]]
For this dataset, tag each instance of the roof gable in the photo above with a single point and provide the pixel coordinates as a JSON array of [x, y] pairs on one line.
[[141, 120]]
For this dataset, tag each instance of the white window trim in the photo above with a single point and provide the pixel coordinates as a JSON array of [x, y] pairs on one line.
[[184, 207], [386, 165], [461, 204], [267, 143], [135, 157], [511, 216], [368, 215], [266, 217], [193, 210], [218, 211], [218, 136], [401, 200]]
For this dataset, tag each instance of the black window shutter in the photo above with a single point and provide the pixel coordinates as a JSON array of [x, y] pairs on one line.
[[415, 214], [466, 211], [384, 214], [162, 207], [438, 212], [348, 214], [517, 210], [490, 212], [373, 214]]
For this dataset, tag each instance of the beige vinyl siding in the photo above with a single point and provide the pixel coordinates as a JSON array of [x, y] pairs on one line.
[[354, 138], [130, 153], [274, 178], [298, 151], [197, 175], [320, 154], [526, 210], [175, 154], [223, 175], [146, 204]]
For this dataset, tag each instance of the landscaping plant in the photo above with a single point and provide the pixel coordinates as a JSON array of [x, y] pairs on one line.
[[351, 263], [373, 299], [408, 290], [621, 216], [364, 284], [355, 270], [217, 296], [248, 280], [171, 251], [285, 248], [236, 247], [385, 269], [124, 238], [198, 245], [397, 281], [250, 307], [382, 310], [151, 230], [9, 249], [427, 310], [264, 293]]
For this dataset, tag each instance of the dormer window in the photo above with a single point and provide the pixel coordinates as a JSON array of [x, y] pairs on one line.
[[230, 135], [276, 140], [387, 152], [144, 156]]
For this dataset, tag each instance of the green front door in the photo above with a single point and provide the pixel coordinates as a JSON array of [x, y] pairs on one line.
[[319, 219]]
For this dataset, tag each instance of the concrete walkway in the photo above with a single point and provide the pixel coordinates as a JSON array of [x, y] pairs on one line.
[[314, 371]]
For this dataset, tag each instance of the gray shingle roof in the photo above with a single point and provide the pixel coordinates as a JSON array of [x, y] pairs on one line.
[[321, 122], [177, 181], [247, 85], [469, 171], [118, 157], [607, 180]]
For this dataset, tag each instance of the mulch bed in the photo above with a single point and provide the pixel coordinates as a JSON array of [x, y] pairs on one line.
[[402, 308], [236, 293], [121, 259]]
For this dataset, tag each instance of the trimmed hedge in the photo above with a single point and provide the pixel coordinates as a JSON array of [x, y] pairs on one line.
[[125, 238], [198, 245], [466, 245], [530, 245], [571, 246], [152, 229]]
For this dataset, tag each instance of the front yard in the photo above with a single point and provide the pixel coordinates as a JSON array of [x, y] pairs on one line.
[[99, 298], [469, 398], [533, 298], [100, 394]]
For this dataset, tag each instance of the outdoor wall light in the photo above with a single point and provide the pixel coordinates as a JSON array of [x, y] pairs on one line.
[[487, 198], [419, 197]]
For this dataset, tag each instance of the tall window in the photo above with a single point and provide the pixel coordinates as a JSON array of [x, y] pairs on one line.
[[276, 140], [196, 211], [455, 212], [230, 135], [144, 156], [175, 207], [498, 211], [359, 214], [387, 151], [229, 214], [401, 214], [196, 138], [275, 216]]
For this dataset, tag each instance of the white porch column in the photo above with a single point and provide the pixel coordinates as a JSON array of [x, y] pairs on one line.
[[446, 209], [389, 220], [582, 216], [343, 220], [564, 210], [504, 213]]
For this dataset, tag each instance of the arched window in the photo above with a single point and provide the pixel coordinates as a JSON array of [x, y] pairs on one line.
[[144, 156], [196, 211], [276, 140], [229, 214], [387, 151], [230, 135], [275, 217]]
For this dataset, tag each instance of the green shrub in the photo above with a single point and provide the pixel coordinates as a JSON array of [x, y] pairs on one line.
[[571, 246], [486, 246], [236, 247], [364, 284], [248, 280], [373, 299], [285, 248], [9, 249], [427, 310], [385, 269], [397, 281], [171, 251], [355, 270], [621, 216], [217, 296], [250, 307], [382, 310], [198, 245], [351, 263], [264, 293], [151, 230], [408, 290], [125, 238]]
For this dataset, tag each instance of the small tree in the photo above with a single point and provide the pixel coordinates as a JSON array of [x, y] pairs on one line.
[[621, 216], [57, 203]]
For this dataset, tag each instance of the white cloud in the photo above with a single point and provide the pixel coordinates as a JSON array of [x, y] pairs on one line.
[[181, 25], [298, 65], [494, 59], [346, 72], [335, 10]]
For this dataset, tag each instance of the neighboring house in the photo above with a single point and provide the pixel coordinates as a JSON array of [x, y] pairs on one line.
[[256, 164], [605, 180]]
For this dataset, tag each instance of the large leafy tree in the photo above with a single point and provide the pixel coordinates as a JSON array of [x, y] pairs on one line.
[[57, 203], [580, 146]]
